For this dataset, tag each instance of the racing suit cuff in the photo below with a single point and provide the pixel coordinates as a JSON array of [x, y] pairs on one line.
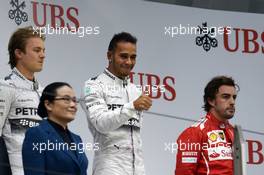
[[128, 109]]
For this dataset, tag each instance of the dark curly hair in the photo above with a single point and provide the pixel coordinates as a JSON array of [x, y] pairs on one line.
[[213, 86]]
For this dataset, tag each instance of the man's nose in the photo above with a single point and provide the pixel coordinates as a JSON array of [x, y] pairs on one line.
[[42, 54], [129, 60], [232, 100]]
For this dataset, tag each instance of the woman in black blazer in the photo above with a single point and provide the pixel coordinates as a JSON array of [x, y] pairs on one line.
[[51, 148]]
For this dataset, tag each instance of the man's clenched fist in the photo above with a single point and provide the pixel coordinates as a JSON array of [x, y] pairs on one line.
[[143, 102]]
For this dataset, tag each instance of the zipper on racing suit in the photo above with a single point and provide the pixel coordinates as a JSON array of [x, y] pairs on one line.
[[131, 132], [133, 150], [36, 87]]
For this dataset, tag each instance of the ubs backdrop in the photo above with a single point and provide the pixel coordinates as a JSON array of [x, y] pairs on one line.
[[170, 54]]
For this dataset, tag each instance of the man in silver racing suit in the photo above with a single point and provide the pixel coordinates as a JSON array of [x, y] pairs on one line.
[[114, 108], [19, 93]]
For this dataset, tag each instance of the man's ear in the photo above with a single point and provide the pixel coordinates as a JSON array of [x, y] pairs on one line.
[[110, 56], [48, 105], [211, 102], [18, 53]]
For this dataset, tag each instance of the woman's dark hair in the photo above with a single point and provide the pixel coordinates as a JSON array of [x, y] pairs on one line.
[[213, 86], [49, 93]]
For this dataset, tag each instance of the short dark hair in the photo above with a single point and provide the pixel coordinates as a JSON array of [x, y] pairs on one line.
[[213, 86], [121, 37], [49, 93], [18, 40]]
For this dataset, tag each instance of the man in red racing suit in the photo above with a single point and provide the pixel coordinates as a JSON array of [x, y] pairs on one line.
[[205, 148]]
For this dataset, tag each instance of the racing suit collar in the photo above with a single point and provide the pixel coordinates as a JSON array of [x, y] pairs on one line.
[[117, 79], [30, 84], [219, 123]]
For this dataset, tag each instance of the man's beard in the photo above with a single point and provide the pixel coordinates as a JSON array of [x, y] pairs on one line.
[[227, 115]]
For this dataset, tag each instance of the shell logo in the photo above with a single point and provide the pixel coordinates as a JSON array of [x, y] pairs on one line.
[[213, 137]]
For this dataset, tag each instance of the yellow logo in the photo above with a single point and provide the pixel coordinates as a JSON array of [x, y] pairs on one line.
[[213, 137]]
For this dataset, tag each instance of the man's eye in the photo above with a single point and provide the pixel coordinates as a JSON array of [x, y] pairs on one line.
[[226, 96], [124, 56]]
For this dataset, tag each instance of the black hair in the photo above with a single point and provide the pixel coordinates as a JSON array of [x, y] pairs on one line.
[[49, 93], [121, 37], [213, 86]]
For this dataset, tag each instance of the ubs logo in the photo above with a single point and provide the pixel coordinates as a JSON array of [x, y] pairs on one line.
[[17, 13]]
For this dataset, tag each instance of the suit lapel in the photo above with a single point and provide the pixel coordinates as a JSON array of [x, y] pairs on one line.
[[54, 137]]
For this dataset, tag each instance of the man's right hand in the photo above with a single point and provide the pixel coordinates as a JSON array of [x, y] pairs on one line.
[[143, 102]]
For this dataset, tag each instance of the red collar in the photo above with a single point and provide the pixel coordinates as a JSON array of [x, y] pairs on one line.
[[219, 123]]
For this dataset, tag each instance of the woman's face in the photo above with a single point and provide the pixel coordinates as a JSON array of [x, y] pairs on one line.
[[64, 106]]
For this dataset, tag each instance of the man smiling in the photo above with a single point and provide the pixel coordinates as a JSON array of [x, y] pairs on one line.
[[114, 108]]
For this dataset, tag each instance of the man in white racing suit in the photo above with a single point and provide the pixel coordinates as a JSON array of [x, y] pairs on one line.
[[114, 108], [19, 92]]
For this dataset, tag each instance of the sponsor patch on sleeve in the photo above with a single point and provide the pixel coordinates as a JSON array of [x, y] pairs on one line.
[[87, 90], [189, 153], [189, 159]]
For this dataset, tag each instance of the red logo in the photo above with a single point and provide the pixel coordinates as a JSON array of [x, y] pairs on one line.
[[214, 155], [158, 87], [59, 15], [255, 152], [251, 41]]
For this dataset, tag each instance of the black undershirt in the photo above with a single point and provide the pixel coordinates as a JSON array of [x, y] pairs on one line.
[[64, 133]]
